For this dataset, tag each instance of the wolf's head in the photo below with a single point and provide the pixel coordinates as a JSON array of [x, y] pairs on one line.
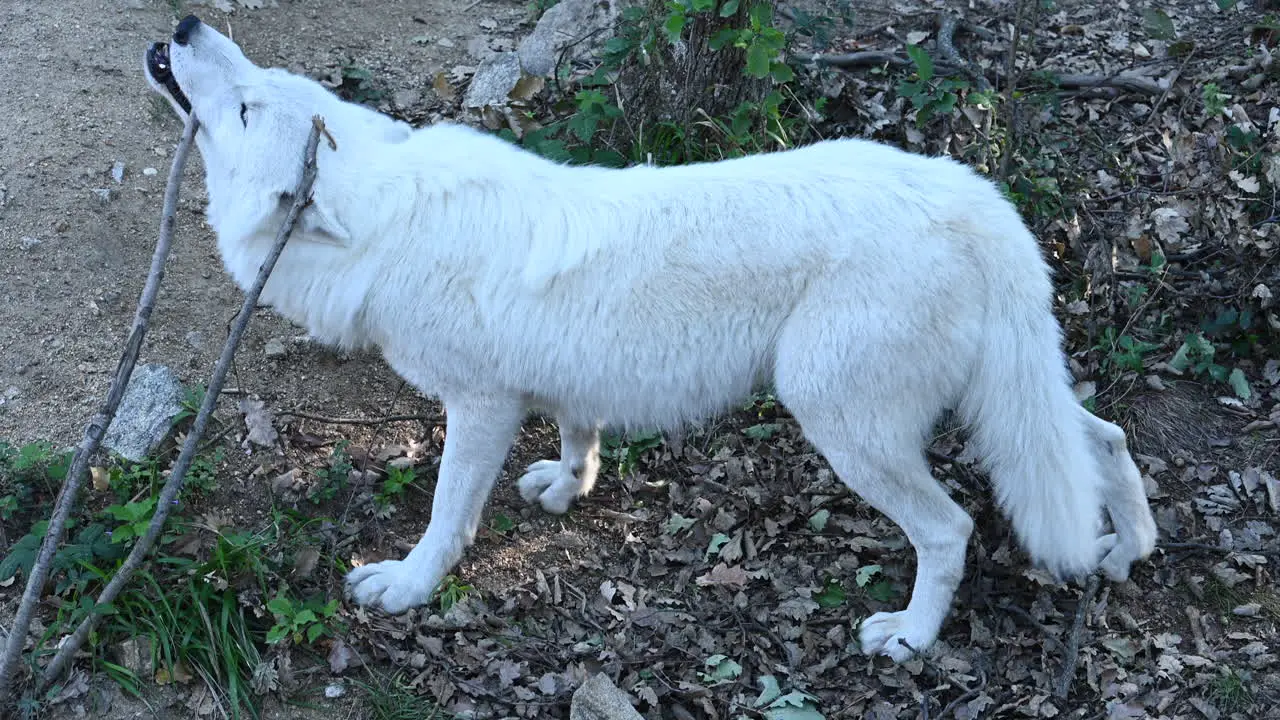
[[254, 124]]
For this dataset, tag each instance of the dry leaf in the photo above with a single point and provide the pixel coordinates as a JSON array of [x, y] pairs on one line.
[[101, 478], [259, 421]]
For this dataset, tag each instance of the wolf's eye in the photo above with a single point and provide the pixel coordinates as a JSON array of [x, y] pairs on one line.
[[243, 110]]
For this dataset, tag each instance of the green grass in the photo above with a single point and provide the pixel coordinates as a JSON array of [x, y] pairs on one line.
[[388, 698], [1230, 691]]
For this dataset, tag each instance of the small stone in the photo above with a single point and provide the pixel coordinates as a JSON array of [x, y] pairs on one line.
[[29, 242], [573, 29], [117, 172], [478, 47], [274, 348], [104, 195], [599, 699], [335, 690], [489, 24], [195, 339], [135, 654], [493, 81], [406, 98], [13, 392], [445, 42], [151, 401], [149, 171]]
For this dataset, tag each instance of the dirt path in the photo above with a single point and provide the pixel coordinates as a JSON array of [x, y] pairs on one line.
[[75, 244]]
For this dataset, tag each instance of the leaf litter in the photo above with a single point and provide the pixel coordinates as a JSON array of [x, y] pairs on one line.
[[726, 574]]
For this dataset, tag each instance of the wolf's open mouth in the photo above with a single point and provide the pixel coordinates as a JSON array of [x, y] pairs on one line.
[[160, 69]]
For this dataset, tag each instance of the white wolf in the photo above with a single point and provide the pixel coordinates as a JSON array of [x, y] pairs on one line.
[[874, 288]]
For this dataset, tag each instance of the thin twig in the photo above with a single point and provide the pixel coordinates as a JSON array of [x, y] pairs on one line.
[[1072, 652], [361, 421], [1010, 96], [97, 427], [169, 493]]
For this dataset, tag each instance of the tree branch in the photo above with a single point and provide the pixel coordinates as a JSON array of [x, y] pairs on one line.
[[947, 24], [1072, 652], [97, 427], [438, 419], [169, 493]]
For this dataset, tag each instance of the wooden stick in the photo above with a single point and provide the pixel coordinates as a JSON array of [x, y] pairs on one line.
[[438, 419], [97, 427], [1067, 674], [168, 494]]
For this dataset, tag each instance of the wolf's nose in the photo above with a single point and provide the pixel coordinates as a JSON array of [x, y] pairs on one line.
[[186, 26]]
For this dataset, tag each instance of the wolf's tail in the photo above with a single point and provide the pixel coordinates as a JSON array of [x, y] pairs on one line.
[[1023, 415]]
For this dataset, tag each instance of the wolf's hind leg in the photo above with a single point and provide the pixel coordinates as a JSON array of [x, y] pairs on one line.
[[555, 484], [1125, 497]]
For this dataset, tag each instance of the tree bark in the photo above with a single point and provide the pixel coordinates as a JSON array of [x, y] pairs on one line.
[[681, 84]]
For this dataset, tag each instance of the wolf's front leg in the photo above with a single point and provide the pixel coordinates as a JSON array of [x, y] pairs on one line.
[[478, 435]]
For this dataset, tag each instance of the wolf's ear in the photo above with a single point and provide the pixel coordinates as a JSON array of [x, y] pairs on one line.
[[316, 223]]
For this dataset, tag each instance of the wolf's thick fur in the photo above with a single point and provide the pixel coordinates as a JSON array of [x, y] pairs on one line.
[[873, 287]]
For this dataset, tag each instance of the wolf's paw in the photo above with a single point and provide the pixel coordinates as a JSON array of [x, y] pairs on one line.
[[896, 635], [550, 484], [1117, 557], [393, 585]]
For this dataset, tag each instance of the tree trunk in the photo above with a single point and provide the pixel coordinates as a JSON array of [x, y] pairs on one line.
[[679, 85]]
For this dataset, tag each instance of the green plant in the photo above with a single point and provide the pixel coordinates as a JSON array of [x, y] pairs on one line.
[[36, 464], [831, 595], [333, 477], [1198, 355], [202, 476], [196, 614], [762, 41], [873, 582], [192, 399], [389, 698], [931, 96], [1214, 100], [359, 86], [75, 564], [1123, 353], [583, 135], [627, 448], [134, 517], [299, 620], [1230, 690], [452, 591]]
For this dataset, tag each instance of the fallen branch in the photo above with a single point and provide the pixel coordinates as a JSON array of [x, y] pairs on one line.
[[97, 427], [1119, 82], [361, 421], [947, 24], [1072, 652], [169, 493]]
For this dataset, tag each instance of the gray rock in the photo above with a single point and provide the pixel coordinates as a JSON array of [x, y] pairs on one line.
[[104, 195], [564, 24], [274, 348], [600, 699], [117, 172], [493, 81], [195, 339], [29, 242], [406, 98], [146, 413], [478, 47]]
